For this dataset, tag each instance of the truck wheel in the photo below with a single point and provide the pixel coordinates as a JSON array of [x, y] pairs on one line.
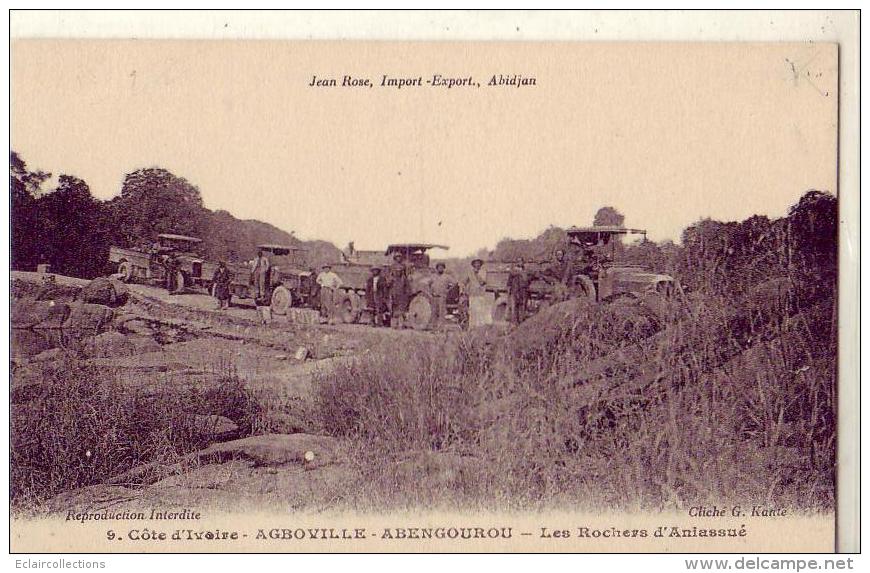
[[349, 307], [500, 309], [179, 282], [665, 289], [587, 287], [282, 300], [125, 269], [421, 311]]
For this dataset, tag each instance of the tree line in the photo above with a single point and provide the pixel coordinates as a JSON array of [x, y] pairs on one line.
[[721, 258], [68, 228], [72, 231]]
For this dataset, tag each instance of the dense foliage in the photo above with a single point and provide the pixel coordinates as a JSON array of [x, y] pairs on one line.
[[72, 231], [725, 392]]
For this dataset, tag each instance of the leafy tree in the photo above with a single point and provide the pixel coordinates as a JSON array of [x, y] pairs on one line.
[[154, 201], [538, 249], [646, 254], [707, 245], [73, 232], [607, 216], [24, 187], [813, 232]]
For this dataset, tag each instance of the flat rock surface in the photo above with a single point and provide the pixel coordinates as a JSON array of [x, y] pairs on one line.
[[275, 449]]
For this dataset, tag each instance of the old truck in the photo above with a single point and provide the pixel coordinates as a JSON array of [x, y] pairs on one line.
[[149, 263], [605, 278], [595, 273], [291, 282], [355, 269]]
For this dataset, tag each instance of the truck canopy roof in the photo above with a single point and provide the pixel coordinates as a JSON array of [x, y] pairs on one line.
[[404, 247], [280, 249], [599, 235], [606, 230], [184, 238]]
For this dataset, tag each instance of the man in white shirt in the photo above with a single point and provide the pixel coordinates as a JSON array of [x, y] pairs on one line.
[[330, 283]]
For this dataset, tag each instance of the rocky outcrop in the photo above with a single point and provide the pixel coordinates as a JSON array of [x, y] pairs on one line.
[[306, 451], [114, 344], [87, 317], [274, 450], [105, 291], [39, 314]]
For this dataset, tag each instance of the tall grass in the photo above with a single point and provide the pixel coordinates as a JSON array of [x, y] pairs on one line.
[[729, 411], [84, 427]]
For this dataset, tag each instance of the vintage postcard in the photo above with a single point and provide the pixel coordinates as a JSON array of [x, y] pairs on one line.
[[349, 296]]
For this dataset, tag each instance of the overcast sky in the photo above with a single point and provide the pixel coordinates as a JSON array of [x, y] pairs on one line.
[[666, 133]]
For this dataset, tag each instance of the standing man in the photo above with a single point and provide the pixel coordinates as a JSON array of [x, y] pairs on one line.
[[518, 292], [376, 296], [221, 285], [473, 288], [400, 290], [329, 284], [560, 271], [171, 266], [438, 288], [262, 266]]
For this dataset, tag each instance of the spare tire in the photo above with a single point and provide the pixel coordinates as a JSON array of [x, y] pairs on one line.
[[349, 307], [500, 310], [282, 300], [125, 269], [179, 283], [421, 311], [587, 287]]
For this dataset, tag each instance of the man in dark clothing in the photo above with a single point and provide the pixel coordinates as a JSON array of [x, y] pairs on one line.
[[400, 290], [221, 281], [559, 274], [518, 292], [171, 266], [377, 296]]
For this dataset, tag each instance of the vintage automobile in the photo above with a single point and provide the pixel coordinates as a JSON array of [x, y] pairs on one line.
[[291, 282], [150, 263], [597, 274], [606, 278], [356, 266]]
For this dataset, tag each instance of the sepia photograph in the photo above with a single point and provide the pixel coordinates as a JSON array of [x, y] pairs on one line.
[[312, 295]]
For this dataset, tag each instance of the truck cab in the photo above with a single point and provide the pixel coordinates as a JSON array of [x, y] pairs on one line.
[[601, 277]]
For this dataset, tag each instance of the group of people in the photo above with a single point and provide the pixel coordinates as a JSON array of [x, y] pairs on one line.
[[388, 293], [259, 279], [389, 290]]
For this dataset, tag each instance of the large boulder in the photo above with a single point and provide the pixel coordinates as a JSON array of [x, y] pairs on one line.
[[88, 317], [106, 345], [50, 355], [106, 291], [57, 292], [39, 314]]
